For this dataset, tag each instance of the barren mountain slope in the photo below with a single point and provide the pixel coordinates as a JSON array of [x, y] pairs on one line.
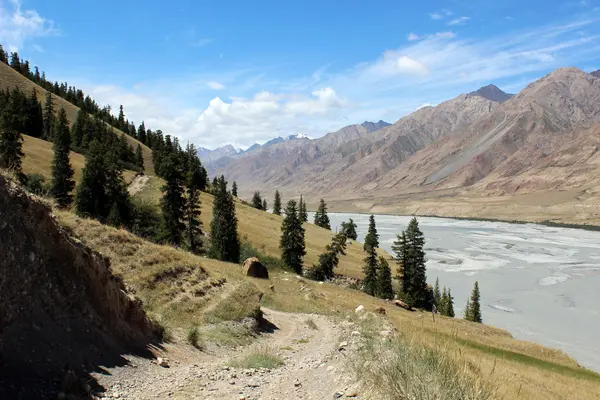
[[545, 117], [352, 157], [61, 308]]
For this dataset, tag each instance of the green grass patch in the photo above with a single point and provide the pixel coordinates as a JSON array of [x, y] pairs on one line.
[[247, 250], [243, 302], [259, 357], [301, 341]]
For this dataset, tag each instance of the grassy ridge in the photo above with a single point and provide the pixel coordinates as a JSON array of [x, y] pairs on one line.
[[9, 78]]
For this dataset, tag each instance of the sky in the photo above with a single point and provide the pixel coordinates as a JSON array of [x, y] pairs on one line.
[[241, 72]]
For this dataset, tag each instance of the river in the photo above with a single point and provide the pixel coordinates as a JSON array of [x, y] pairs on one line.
[[542, 284]]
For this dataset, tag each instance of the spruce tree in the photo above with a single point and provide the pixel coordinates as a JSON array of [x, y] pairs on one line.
[[277, 203], [11, 143], [372, 237], [329, 260], [370, 272], [234, 189], [91, 198], [257, 201], [121, 121], [192, 211], [384, 280], [139, 158], [291, 243], [467, 311], [34, 123], [79, 129], [437, 297], [450, 305], [62, 172], [321, 217], [48, 117], [173, 202], [349, 229], [225, 244], [303, 215], [265, 206], [414, 280], [474, 306], [443, 307], [141, 133]]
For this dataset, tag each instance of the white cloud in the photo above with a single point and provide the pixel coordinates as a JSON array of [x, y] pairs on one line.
[[459, 21], [413, 36], [17, 26], [215, 85], [443, 13]]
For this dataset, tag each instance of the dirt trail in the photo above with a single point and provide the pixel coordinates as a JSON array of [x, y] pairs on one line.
[[137, 184], [314, 368]]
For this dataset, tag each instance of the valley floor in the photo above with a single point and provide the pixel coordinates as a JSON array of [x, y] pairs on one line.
[[314, 367]]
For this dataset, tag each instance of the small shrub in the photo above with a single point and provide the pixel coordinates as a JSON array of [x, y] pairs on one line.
[[311, 324], [261, 356], [36, 184], [146, 219], [193, 337]]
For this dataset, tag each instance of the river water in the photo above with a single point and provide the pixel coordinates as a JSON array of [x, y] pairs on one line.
[[541, 284]]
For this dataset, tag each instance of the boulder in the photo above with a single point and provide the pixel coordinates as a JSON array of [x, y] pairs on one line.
[[380, 310], [402, 304], [254, 268], [359, 309]]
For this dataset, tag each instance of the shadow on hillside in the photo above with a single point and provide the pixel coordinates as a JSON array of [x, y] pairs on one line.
[[19, 380], [266, 326]]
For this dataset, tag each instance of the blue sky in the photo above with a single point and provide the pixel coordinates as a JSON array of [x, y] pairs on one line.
[[241, 72]]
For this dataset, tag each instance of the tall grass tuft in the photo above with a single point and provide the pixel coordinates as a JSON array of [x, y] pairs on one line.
[[260, 356]]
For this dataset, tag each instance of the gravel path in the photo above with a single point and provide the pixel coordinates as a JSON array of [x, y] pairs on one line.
[[314, 368]]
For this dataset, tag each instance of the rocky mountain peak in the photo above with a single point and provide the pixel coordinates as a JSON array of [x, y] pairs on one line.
[[492, 93]]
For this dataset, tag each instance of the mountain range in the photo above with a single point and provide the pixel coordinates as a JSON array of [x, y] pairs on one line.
[[485, 143]]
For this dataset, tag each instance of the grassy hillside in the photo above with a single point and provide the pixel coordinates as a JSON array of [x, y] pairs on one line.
[[10, 78], [180, 289], [263, 230], [38, 159]]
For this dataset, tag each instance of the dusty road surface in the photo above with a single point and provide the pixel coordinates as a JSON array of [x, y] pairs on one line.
[[314, 367]]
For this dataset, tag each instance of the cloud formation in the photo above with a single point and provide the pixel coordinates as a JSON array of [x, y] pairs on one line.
[[17, 26]]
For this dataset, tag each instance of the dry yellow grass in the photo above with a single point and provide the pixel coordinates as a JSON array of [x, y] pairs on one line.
[[10, 78], [181, 287], [38, 159]]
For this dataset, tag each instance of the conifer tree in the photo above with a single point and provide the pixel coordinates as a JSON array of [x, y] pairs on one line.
[[370, 271], [384, 280], [303, 215], [321, 217], [62, 172], [173, 202], [265, 206], [225, 244], [11, 143], [409, 250], [437, 297], [91, 198], [329, 260], [277, 203], [121, 120], [234, 189], [450, 305], [139, 158], [292, 242], [214, 186], [141, 133], [349, 229], [467, 311], [474, 307], [192, 212], [78, 132], [372, 237], [34, 123], [443, 307], [48, 117], [257, 201]]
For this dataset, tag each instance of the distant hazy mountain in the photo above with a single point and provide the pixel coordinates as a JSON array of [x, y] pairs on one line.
[[276, 140], [208, 156], [595, 73], [493, 93]]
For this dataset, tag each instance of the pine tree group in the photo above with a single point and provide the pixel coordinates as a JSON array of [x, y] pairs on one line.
[[62, 172], [11, 143], [277, 203], [257, 201], [225, 243], [292, 245], [410, 258], [321, 217], [473, 308]]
